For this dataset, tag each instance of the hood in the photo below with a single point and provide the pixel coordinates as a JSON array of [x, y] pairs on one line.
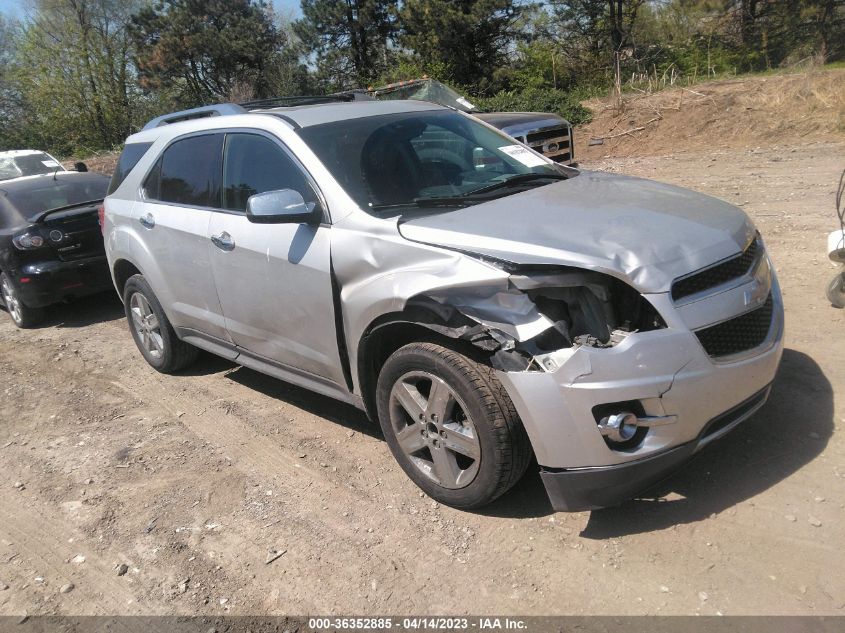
[[645, 232], [521, 123]]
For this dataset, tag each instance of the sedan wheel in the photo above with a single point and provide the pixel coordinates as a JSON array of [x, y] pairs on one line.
[[11, 301], [22, 315]]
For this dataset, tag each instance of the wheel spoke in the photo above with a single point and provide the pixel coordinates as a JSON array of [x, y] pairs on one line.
[[445, 467], [410, 439], [410, 399], [156, 342], [152, 322], [137, 318], [460, 443], [440, 400], [144, 306]]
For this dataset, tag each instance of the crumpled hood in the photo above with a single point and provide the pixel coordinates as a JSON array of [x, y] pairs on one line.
[[646, 232]]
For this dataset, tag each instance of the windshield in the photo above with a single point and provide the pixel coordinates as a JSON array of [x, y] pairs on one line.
[[416, 158], [53, 194], [27, 165], [426, 90]]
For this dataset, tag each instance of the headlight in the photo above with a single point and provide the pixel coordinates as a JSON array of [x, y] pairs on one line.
[[28, 241]]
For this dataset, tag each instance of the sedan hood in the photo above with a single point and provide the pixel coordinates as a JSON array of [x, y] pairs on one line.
[[645, 232]]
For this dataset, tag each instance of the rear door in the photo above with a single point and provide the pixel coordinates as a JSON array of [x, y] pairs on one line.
[[180, 192], [273, 280]]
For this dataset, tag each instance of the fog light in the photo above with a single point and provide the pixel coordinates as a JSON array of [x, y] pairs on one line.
[[619, 427]]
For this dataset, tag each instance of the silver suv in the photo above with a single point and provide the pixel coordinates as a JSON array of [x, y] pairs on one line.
[[482, 302]]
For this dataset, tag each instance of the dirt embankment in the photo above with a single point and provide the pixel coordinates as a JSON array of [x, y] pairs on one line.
[[744, 112]]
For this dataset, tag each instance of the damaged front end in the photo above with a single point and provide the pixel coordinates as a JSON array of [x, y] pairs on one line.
[[541, 312]]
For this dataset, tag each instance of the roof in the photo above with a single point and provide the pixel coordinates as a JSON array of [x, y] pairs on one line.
[[317, 114], [199, 119], [20, 152]]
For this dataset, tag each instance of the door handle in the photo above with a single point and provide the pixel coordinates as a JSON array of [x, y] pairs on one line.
[[147, 220], [223, 241]]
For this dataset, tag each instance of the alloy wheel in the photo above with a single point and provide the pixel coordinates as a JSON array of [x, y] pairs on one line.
[[10, 298], [434, 430], [146, 325]]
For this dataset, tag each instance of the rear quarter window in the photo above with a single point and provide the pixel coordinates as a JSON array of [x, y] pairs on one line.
[[130, 156]]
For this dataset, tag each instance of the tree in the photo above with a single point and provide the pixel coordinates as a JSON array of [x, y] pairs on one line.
[[73, 76], [204, 51], [351, 39], [595, 31], [8, 96], [470, 38]]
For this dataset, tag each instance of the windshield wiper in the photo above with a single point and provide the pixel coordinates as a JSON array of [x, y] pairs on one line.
[[471, 197], [426, 202], [518, 179]]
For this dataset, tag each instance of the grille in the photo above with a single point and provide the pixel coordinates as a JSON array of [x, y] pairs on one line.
[[740, 334], [553, 142], [716, 275]]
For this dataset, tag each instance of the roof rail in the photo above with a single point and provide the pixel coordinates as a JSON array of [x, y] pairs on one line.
[[221, 109], [274, 102]]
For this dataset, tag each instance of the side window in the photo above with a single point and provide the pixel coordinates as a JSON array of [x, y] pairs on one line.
[[188, 172], [130, 156], [254, 164]]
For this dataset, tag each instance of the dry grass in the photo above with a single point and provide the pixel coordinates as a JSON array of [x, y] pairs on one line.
[[745, 111]]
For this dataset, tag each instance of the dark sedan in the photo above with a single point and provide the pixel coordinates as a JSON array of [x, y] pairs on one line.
[[51, 246]]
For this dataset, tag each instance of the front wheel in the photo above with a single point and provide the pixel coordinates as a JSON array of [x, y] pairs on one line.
[[22, 315], [151, 329], [451, 425], [836, 290]]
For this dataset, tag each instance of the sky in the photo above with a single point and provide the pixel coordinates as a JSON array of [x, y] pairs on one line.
[[18, 8]]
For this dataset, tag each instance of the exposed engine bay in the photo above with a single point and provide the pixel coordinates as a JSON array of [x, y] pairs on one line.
[[541, 311]]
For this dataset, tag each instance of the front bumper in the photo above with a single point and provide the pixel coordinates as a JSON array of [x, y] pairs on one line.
[[591, 488], [41, 284], [668, 373]]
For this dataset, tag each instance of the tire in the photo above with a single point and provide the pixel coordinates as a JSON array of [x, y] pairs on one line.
[[22, 315], [151, 329], [451, 426], [836, 290]]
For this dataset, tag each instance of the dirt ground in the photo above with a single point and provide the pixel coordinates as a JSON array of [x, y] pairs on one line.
[[191, 480]]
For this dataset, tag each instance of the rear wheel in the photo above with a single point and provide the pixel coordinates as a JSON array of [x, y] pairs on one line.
[[836, 290], [451, 425], [153, 334], [22, 315]]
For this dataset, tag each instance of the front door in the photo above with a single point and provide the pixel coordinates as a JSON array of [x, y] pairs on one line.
[[273, 280]]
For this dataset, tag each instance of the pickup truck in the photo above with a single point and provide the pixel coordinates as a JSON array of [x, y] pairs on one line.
[[547, 133]]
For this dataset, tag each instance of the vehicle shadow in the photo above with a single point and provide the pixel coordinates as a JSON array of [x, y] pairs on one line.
[[85, 311], [791, 429], [323, 406], [788, 432]]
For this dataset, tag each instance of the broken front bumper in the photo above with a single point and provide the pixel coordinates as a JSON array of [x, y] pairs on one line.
[[667, 373]]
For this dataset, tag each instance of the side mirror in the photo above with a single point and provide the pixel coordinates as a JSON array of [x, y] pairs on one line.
[[283, 206], [80, 166]]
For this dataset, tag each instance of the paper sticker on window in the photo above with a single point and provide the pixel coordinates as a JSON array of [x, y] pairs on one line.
[[49, 163], [524, 155]]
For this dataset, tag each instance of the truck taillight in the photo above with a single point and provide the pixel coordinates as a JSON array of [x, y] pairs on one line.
[[101, 218]]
